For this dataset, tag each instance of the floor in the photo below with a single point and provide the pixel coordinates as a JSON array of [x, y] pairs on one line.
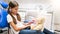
[[4, 32], [57, 28]]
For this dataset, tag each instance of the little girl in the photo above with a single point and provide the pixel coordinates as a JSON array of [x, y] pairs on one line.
[[14, 18]]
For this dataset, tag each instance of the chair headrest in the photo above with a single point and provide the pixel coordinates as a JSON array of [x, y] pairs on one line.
[[3, 4]]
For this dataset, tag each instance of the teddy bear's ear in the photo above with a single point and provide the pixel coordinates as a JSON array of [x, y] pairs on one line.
[[40, 20]]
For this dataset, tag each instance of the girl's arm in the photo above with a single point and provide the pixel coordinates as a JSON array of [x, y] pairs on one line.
[[17, 28]]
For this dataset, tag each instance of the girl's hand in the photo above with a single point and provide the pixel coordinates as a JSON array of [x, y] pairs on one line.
[[27, 24]]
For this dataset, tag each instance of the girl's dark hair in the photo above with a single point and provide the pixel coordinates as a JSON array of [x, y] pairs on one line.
[[13, 4]]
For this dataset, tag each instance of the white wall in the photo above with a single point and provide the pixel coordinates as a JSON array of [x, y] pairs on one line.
[[56, 6]]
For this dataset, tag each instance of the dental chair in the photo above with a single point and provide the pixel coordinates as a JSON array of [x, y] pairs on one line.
[[3, 14]]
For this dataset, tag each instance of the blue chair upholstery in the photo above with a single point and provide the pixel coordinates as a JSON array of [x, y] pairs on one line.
[[3, 4], [3, 15], [3, 18]]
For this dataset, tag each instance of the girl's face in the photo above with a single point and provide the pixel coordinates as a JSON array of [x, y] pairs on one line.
[[14, 10]]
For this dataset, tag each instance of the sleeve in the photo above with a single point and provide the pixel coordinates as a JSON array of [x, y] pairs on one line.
[[9, 19]]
